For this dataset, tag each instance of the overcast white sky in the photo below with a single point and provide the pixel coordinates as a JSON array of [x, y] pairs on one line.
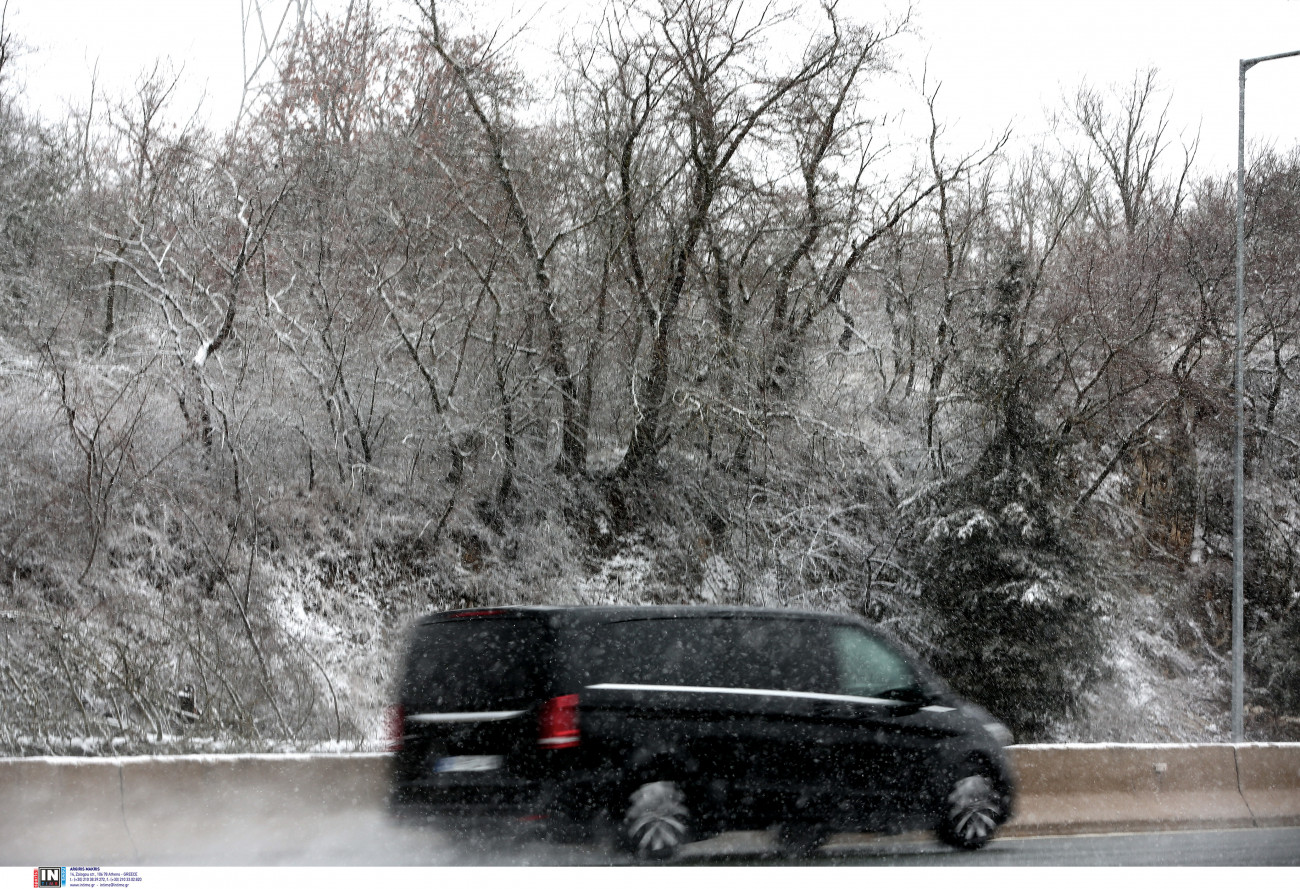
[[1000, 61]]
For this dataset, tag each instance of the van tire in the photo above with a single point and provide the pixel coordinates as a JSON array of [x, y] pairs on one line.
[[973, 809], [656, 821]]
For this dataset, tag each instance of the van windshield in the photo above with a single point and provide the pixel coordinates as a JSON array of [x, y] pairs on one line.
[[470, 665]]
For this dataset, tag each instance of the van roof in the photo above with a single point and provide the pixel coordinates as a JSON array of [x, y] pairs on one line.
[[623, 612]]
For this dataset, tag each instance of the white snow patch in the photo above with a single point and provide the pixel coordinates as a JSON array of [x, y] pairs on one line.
[[620, 579], [978, 522], [720, 582]]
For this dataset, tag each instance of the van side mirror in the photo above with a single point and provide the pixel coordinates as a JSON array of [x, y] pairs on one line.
[[912, 697], [910, 694]]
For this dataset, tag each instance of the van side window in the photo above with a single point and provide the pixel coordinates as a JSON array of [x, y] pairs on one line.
[[774, 654], [869, 667], [708, 652]]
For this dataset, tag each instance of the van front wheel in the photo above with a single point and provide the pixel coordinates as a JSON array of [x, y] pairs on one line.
[[972, 812], [657, 822]]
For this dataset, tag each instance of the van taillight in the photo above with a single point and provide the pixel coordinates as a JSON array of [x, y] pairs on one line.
[[395, 716], [557, 722]]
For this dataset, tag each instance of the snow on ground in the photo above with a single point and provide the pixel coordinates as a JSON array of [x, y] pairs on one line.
[[1156, 692]]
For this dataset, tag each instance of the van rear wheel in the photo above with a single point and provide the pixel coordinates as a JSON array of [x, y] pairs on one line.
[[657, 821]]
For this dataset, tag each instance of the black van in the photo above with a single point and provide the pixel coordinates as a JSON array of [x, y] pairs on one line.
[[676, 723]]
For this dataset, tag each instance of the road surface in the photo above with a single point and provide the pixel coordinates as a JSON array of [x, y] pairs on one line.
[[372, 840]]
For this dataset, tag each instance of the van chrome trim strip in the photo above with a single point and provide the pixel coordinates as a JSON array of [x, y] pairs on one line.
[[763, 692], [485, 716]]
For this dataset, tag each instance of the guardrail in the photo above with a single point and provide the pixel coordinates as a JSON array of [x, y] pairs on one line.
[[108, 809]]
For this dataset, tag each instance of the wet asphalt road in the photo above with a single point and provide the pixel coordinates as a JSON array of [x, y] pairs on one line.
[[1264, 847], [378, 842]]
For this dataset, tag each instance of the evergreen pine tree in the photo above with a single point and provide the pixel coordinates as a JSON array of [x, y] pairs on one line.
[[1014, 612]]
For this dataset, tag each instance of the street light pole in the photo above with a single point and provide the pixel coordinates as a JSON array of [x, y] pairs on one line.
[[1239, 459]]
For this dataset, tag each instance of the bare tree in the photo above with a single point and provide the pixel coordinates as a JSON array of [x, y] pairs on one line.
[[489, 111], [1129, 130], [741, 195]]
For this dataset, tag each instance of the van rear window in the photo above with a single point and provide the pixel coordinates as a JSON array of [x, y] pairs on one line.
[[470, 665], [737, 652]]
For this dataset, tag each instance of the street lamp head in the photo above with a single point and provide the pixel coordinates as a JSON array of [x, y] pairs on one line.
[[1247, 64]]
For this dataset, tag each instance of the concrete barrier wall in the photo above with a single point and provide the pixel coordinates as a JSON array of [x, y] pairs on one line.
[[111, 809], [1091, 788], [82, 796], [105, 810], [1270, 782], [245, 797]]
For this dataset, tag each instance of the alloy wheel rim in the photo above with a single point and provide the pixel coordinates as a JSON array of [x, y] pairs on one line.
[[656, 819], [974, 807]]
